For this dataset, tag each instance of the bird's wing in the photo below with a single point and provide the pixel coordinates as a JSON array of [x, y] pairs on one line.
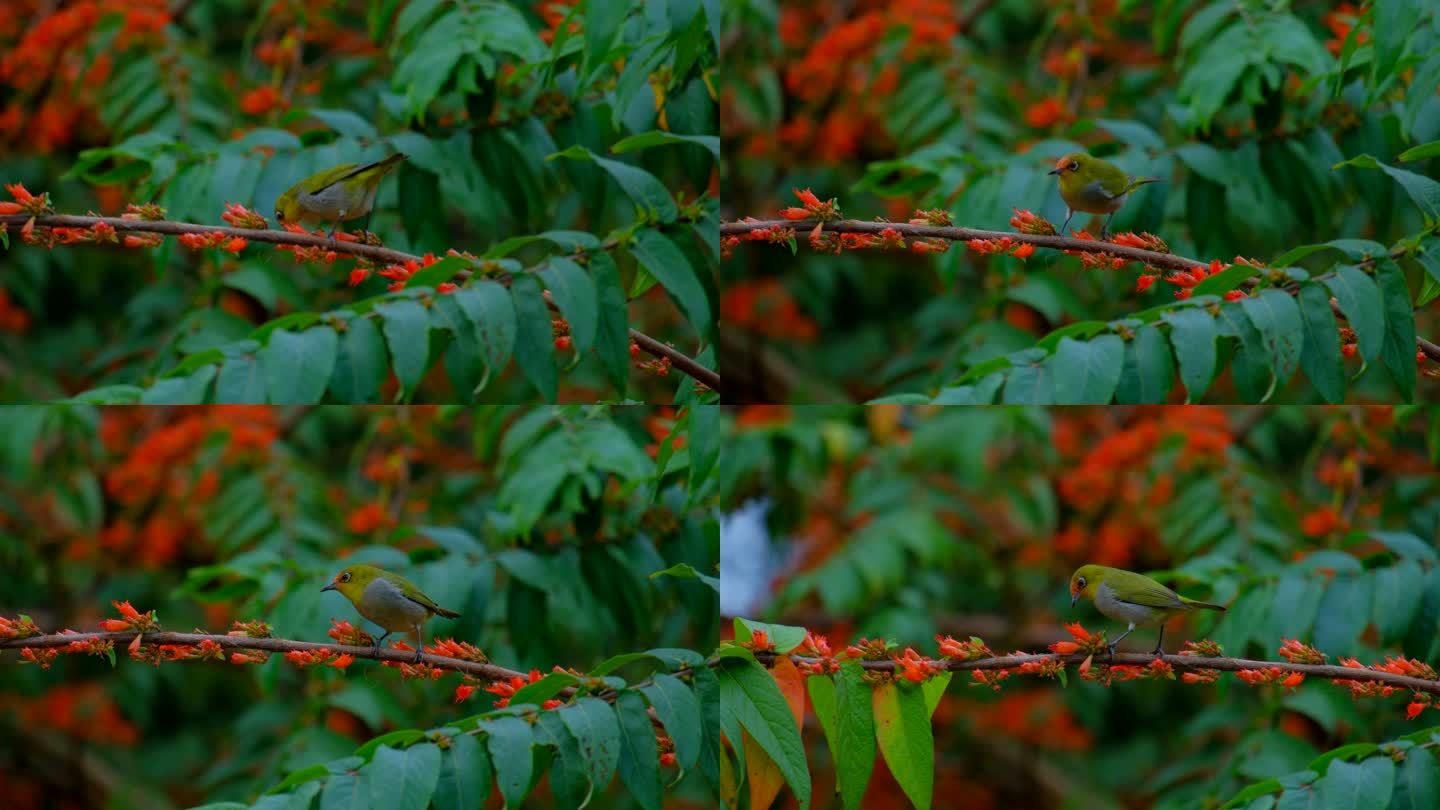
[[316, 183], [1153, 595], [1095, 192]]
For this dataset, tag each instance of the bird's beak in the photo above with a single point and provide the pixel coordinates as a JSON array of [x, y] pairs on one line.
[[329, 587], [1053, 171], [1074, 597]]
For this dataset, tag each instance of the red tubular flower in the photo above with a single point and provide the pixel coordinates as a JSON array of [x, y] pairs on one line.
[[1064, 647], [1026, 221], [794, 213], [1234, 295], [1413, 710], [115, 625], [10, 208], [1144, 282], [807, 198], [1024, 251]]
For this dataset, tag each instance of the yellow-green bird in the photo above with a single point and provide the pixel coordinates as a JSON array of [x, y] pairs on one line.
[[1131, 597], [338, 194], [389, 600], [1094, 186]]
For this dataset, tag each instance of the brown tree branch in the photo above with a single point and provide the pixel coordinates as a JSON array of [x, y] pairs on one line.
[[1167, 261], [1179, 662], [489, 672], [377, 253]]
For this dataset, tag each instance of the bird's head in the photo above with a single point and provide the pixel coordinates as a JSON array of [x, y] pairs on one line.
[[287, 208], [1084, 582], [351, 582], [1073, 163]]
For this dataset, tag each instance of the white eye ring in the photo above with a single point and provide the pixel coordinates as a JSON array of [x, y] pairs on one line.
[[344, 577], [1081, 581], [1074, 165]]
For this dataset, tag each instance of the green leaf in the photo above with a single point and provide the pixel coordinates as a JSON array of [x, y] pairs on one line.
[[345, 791], [603, 20], [902, 725], [1148, 372], [187, 390], [687, 571], [1277, 317], [240, 381], [679, 711], [853, 747], [1399, 590], [1407, 546], [298, 365], [535, 340], [568, 779], [1423, 190], [1320, 356], [487, 304], [1398, 352], [1417, 782], [639, 756], [1359, 298], [593, 723], [1224, 281], [577, 297], [1028, 385], [1192, 333], [785, 638], [544, 689], [642, 187], [438, 273], [659, 137], [1086, 372], [1344, 612], [1393, 22], [464, 781], [1347, 786], [667, 263], [1421, 152], [509, 740], [360, 363], [612, 339], [404, 779], [346, 123], [750, 697], [407, 330], [1251, 366]]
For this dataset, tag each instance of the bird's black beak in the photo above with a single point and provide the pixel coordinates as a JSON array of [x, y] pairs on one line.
[[1074, 597], [1053, 171], [329, 587]]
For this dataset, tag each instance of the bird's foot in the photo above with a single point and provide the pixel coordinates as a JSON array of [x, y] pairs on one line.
[[1111, 647], [1159, 652], [417, 656]]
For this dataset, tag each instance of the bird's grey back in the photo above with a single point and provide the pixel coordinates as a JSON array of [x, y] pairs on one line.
[[388, 598]]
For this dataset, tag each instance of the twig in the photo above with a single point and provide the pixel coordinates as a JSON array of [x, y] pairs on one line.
[[1179, 662], [1168, 261], [711, 379], [489, 672]]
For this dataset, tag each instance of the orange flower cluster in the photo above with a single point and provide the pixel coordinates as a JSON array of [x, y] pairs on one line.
[[1340, 20], [1143, 241], [12, 318], [23, 627], [213, 239], [989, 678], [1113, 476], [1037, 717], [322, 656], [463, 650], [505, 690], [83, 711], [1397, 666], [53, 55], [1187, 279], [764, 306], [986, 247], [1259, 677], [971, 650], [816, 646], [1295, 652], [914, 668], [132, 619], [1085, 641], [348, 634], [1026, 221], [157, 451]]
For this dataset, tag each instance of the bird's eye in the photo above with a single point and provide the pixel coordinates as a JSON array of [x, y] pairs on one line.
[[1081, 582], [1074, 165], [279, 215], [345, 577]]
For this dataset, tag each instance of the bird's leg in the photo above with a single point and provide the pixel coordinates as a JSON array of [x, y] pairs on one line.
[[377, 642], [365, 228], [1105, 229], [332, 232], [420, 637], [1068, 214], [1117, 641], [1160, 642]]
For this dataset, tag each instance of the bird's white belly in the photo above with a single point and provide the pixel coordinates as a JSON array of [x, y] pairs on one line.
[[382, 602], [339, 201], [1138, 615]]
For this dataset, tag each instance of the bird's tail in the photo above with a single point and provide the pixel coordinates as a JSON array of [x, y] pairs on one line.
[[1194, 605], [450, 614], [1136, 182]]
